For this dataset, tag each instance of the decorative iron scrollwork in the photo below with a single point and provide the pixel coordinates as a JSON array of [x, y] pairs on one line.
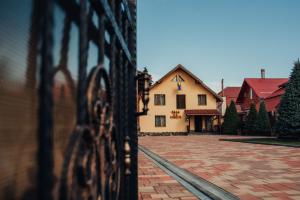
[[92, 168], [101, 119], [84, 119]]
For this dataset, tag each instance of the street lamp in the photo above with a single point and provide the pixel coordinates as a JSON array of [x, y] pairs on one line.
[[143, 89]]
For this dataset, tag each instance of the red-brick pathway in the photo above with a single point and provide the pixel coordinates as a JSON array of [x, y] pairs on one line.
[[250, 171], [155, 184]]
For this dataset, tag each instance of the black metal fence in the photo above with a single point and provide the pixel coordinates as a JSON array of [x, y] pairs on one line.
[[68, 99]]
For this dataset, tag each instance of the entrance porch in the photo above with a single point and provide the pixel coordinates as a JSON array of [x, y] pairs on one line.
[[203, 120]]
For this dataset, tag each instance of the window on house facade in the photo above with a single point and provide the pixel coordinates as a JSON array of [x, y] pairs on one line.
[[202, 100], [180, 101], [160, 121], [159, 99]]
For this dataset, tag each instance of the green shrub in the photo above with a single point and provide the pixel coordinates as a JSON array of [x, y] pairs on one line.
[[231, 120], [263, 126], [250, 128]]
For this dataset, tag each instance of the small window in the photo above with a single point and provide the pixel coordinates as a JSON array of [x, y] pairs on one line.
[[180, 101], [160, 121], [159, 99], [202, 100]]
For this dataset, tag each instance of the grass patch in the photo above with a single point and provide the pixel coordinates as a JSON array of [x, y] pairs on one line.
[[268, 141]]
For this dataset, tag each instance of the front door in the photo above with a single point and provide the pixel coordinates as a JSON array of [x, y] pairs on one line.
[[198, 123]]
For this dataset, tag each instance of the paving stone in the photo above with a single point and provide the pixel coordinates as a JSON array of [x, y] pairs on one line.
[[250, 171], [155, 184]]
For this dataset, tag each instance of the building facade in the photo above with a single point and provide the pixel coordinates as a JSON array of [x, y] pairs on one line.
[[180, 103]]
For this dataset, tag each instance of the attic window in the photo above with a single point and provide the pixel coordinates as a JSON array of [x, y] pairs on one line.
[[177, 78]]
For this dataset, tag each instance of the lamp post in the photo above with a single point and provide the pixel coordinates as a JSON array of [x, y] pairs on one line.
[[143, 79]]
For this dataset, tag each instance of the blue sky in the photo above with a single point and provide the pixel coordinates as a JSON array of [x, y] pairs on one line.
[[215, 39]]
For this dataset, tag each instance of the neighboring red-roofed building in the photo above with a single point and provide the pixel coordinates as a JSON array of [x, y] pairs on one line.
[[273, 100], [229, 94], [256, 89]]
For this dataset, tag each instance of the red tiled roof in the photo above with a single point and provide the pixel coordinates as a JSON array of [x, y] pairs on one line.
[[272, 101], [278, 92], [202, 112], [231, 92], [263, 87]]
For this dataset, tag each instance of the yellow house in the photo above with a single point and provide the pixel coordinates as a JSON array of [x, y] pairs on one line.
[[180, 103]]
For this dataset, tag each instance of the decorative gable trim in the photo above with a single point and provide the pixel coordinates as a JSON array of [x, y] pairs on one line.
[[197, 80]]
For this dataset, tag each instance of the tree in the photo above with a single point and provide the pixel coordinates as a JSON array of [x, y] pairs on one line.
[[263, 126], [288, 124], [231, 120], [250, 124]]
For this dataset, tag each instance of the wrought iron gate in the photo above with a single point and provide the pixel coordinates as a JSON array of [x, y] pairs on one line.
[[67, 100]]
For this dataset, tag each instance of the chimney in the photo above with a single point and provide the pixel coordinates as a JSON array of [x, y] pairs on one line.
[[263, 73], [222, 85]]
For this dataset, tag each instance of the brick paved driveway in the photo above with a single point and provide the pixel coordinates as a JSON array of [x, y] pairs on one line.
[[250, 171], [154, 183]]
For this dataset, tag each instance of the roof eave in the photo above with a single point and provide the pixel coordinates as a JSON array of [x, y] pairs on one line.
[[179, 66]]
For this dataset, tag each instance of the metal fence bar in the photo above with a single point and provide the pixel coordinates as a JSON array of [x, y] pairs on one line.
[[111, 17], [45, 127]]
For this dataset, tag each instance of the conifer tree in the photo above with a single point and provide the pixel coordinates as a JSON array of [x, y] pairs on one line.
[[288, 123], [225, 117], [263, 126], [231, 120], [250, 123]]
